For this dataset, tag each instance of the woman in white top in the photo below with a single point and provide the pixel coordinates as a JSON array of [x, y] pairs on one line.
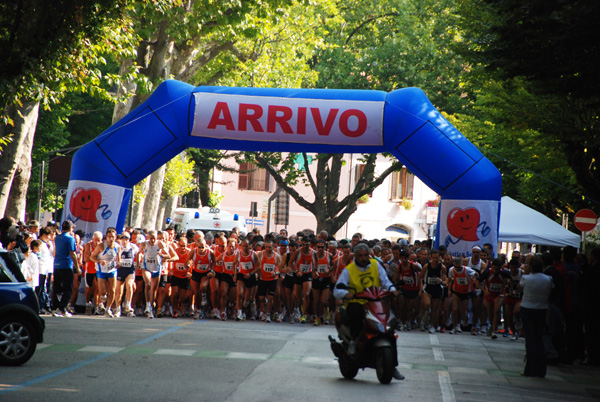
[[106, 255], [31, 265], [534, 305]]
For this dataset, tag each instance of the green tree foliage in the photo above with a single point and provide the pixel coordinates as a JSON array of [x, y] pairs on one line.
[[552, 49], [179, 177]]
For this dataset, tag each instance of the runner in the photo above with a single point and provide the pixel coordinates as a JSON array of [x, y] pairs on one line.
[[512, 301], [283, 295], [480, 316], [433, 276], [461, 283], [215, 280], [268, 261], [154, 250], [91, 282], [202, 260], [129, 259], [180, 279], [107, 256], [407, 277], [246, 278], [304, 258], [493, 281], [321, 280], [227, 278]]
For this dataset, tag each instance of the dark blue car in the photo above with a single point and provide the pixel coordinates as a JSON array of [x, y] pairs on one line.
[[21, 327]]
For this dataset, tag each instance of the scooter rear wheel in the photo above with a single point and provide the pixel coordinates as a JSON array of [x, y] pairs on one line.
[[384, 364]]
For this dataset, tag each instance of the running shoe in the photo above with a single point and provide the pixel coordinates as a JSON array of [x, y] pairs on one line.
[[160, 314], [57, 313], [261, 316], [515, 337], [317, 322], [431, 330], [239, 317], [303, 319], [494, 336], [108, 313], [442, 329], [267, 317], [452, 331], [150, 314], [458, 329], [223, 316], [130, 313], [66, 313]]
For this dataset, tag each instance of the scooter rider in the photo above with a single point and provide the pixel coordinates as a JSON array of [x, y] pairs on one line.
[[360, 274]]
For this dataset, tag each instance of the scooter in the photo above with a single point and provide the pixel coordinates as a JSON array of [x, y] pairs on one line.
[[376, 345]]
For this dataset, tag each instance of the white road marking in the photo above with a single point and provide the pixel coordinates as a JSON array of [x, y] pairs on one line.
[[175, 352], [438, 355], [434, 340], [247, 356], [446, 386], [101, 349]]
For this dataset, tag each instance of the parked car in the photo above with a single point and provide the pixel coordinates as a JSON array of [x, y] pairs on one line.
[[21, 327]]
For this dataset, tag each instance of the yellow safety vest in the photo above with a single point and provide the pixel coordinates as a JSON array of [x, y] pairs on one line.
[[359, 280]]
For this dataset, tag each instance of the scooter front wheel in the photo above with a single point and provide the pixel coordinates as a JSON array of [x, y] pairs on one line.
[[347, 369], [384, 364]]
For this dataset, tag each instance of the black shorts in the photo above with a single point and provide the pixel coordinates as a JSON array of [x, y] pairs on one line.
[[181, 283], [435, 291], [266, 288], [162, 282], [288, 282], [409, 294], [197, 276], [123, 273], [89, 280], [321, 283], [299, 280], [139, 278], [249, 282], [227, 278], [462, 296]]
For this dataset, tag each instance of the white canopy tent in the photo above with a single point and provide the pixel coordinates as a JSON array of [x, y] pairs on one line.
[[521, 224]]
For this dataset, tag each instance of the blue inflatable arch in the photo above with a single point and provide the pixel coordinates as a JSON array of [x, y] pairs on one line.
[[178, 116]]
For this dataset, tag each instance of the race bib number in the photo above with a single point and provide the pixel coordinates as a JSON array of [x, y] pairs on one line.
[[151, 260], [246, 266], [462, 281], [304, 267], [408, 280], [126, 262], [179, 266], [269, 268], [322, 268], [202, 267], [432, 281], [496, 287], [229, 266]]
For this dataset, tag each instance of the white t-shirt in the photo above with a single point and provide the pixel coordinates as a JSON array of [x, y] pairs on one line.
[[46, 260], [536, 290], [31, 270]]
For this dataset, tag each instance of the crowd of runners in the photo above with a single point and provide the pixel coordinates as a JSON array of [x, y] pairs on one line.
[[289, 278]]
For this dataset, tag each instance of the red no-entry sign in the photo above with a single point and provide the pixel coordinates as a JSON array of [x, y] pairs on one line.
[[585, 220]]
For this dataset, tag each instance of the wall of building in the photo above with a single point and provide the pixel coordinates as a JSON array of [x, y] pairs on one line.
[[371, 218]]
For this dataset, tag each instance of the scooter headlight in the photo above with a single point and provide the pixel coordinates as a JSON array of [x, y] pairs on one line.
[[374, 322]]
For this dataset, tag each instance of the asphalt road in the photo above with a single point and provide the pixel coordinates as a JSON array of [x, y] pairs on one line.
[[137, 359]]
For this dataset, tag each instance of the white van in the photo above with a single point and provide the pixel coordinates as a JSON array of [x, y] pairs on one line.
[[207, 219]]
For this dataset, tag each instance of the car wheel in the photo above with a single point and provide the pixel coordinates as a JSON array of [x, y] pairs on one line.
[[17, 341]]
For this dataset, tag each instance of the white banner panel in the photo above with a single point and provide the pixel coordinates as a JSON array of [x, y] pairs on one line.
[[93, 206], [296, 120], [466, 223]]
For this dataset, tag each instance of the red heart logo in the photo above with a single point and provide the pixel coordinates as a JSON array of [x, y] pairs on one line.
[[463, 224], [84, 204]]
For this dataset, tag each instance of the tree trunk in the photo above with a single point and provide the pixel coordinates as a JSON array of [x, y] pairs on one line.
[[138, 208], [17, 200], [12, 155], [152, 201], [160, 217], [171, 206]]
